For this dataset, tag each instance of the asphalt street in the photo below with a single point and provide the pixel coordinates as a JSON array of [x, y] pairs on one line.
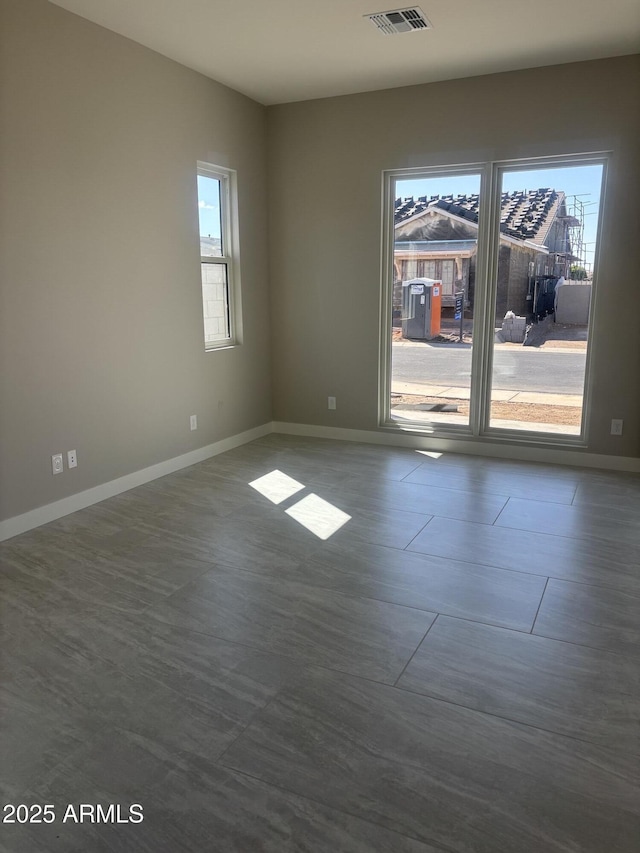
[[522, 369]]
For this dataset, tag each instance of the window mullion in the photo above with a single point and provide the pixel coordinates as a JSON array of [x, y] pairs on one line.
[[486, 278]]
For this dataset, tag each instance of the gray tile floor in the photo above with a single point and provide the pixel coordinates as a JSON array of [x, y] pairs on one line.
[[454, 668]]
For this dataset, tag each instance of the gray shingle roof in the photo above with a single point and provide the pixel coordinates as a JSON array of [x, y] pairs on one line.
[[525, 215]]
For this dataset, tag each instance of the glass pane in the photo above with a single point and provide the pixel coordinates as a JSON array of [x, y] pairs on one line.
[[210, 217], [215, 303], [435, 246], [548, 225]]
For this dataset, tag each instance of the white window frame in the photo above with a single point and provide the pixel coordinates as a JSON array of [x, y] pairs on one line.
[[486, 286], [230, 252]]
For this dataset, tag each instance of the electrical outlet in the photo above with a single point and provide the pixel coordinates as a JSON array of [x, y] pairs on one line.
[[616, 427], [331, 402], [193, 421], [72, 459], [57, 465]]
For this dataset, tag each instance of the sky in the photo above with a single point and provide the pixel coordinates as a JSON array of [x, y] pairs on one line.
[[209, 206], [583, 181]]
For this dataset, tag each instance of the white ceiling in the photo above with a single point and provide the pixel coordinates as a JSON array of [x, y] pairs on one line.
[[291, 50]]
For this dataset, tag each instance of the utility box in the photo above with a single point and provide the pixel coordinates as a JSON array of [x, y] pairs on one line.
[[572, 303], [421, 308]]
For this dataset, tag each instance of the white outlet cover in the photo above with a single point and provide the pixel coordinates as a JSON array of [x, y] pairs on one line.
[[72, 459], [193, 422], [57, 465]]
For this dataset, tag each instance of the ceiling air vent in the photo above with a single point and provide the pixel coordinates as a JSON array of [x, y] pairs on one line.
[[410, 20]]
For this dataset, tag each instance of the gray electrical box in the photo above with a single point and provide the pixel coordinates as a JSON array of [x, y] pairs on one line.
[[421, 308]]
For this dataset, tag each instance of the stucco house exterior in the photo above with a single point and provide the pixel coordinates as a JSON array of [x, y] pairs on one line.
[[436, 237]]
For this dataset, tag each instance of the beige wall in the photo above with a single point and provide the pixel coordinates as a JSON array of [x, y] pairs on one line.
[[101, 330], [100, 311], [325, 162]]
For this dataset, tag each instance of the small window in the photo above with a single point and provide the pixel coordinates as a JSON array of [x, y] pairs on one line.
[[218, 258]]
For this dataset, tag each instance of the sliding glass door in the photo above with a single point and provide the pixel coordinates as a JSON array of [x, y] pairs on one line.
[[543, 293], [435, 241], [489, 297]]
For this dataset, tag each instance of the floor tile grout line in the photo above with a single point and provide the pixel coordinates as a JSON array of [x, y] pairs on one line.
[[521, 631], [452, 491], [360, 597], [419, 464], [459, 460], [630, 654], [349, 676], [440, 700], [342, 672], [457, 467], [505, 719], [178, 589], [422, 529], [437, 846], [212, 564], [602, 649], [271, 579], [441, 613], [165, 599], [382, 509], [501, 510], [535, 618], [301, 663], [484, 492], [506, 569], [302, 672], [525, 633], [251, 720], [148, 610], [305, 664], [586, 540], [495, 521], [519, 572], [395, 683], [581, 538], [417, 609], [68, 756], [259, 649], [460, 470]]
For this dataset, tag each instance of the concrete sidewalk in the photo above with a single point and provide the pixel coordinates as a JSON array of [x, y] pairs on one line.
[[451, 418], [568, 346], [499, 396]]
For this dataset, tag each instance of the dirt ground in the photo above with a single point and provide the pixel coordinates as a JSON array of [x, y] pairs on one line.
[[546, 333], [444, 337], [523, 412]]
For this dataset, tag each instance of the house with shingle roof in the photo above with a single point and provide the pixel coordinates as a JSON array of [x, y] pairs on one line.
[[436, 237]]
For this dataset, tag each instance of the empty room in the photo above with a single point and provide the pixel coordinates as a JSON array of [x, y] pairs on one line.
[[319, 427]]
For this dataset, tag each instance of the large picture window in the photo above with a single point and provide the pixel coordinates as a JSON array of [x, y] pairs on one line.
[[218, 255], [489, 277]]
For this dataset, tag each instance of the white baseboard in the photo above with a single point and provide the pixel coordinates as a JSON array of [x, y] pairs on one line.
[[558, 456], [50, 512]]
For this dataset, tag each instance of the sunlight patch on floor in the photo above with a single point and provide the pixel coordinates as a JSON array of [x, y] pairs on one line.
[[276, 486], [319, 516]]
